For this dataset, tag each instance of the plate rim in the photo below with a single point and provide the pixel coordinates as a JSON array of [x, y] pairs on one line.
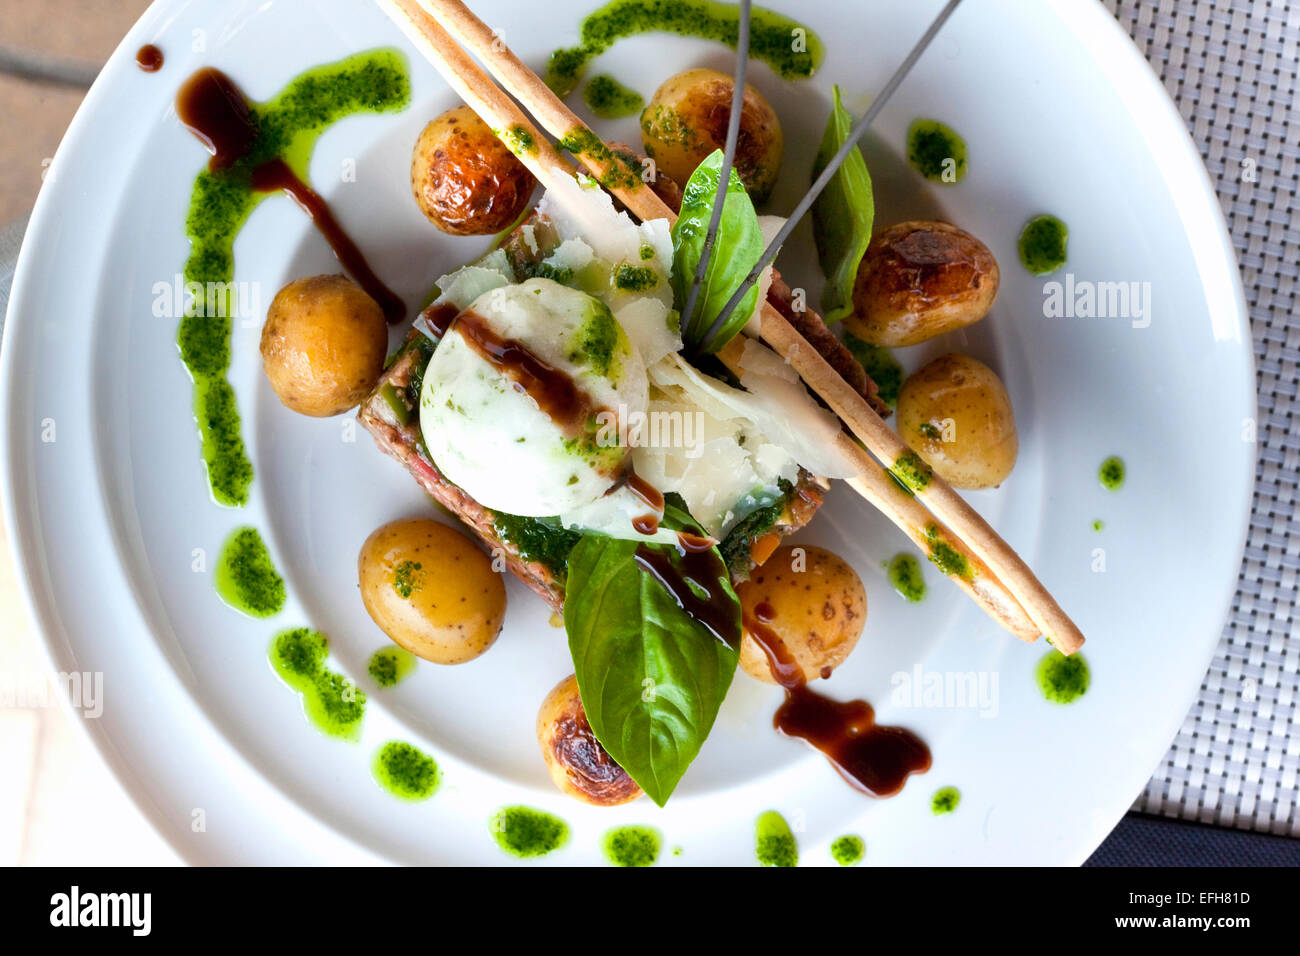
[[25, 534]]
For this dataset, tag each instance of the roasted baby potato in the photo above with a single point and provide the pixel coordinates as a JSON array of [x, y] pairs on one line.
[[465, 180], [919, 280], [956, 413], [431, 590], [578, 763], [323, 345], [812, 601], [687, 118]]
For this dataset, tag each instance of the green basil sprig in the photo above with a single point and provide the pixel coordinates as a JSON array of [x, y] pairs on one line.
[[650, 675], [842, 215], [736, 250]]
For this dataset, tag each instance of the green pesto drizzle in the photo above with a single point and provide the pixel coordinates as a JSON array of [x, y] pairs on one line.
[[945, 800], [947, 558], [905, 576], [848, 850], [936, 151], [624, 171], [773, 38], [221, 202], [1043, 245], [1111, 474], [631, 846], [330, 701], [913, 473], [390, 665], [610, 99], [1062, 679], [631, 278], [405, 772], [246, 577], [519, 141], [879, 363], [525, 832], [774, 844]]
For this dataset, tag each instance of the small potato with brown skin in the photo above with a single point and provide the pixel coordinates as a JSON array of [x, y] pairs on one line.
[[466, 181], [957, 414], [687, 118], [577, 762], [919, 280], [431, 590], [323, 345], [815, 605]]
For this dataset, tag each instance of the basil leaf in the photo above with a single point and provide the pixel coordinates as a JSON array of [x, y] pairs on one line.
[[842, 215], [736, 250], [650, 675]]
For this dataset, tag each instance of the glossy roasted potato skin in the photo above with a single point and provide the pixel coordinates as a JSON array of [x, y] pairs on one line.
[[465, 180], [919, 280], [323, 345], [686, 120], [820, 611], [957, 414], [578, 764], [431, 590]]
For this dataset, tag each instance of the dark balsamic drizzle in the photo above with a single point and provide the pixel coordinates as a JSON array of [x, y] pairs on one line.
[[874, 759], [149, 58], [216, 111]]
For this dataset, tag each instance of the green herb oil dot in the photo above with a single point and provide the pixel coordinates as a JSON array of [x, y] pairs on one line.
[[848, 850], [1043, 245], [945, 800], [525, 832], [905, 576], [1098, 525], [390, 665], [1063, 679], [1111, 473], [331, 702], [246, 577], [632, 846], [774, 844], [936, 151], [405, 772], [610, 99]]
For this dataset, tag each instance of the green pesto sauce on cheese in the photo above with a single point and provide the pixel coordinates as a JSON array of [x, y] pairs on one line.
[[774, 843], [610, 99], [879, 363], [389, 666], [1043, 244], [789, 48], [246, 577], [936, 151], [945, 800], [848, 850], [525, 832], [631, 846], [331, 702], [906, 578], [1111, 474], [631, 278], [405, 772], [1062, 679], [221, 202]]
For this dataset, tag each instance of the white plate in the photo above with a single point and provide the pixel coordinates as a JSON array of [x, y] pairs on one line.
[[1060, 114]]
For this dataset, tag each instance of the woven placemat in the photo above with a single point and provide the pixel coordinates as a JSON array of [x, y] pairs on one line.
[[1231, 66]]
